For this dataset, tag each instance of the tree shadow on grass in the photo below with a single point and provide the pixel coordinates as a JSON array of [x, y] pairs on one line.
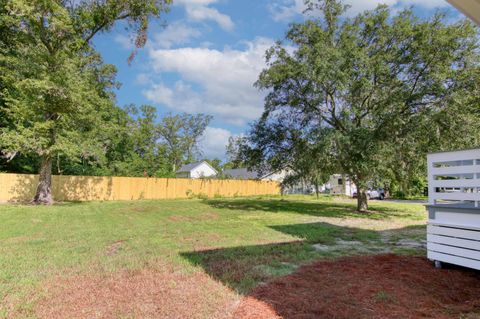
[[319, 209], [279, 280], [325, 233], [242, 268]]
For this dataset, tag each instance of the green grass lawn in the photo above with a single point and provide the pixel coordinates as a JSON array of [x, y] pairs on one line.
[[238, 242]]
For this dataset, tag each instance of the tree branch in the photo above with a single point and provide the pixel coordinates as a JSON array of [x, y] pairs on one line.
[[102, 25]]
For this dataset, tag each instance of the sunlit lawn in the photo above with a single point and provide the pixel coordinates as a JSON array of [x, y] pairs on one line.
[[238, 242]]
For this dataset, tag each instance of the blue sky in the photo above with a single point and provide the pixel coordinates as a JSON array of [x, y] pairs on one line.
[[204, 56]]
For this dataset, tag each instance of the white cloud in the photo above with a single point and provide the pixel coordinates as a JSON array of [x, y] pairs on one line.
[[160, 94], [142, 79], [212, 81], [124, 41], [214, 142], [201, 13], [176, 33], [287, 9], [200, 10]]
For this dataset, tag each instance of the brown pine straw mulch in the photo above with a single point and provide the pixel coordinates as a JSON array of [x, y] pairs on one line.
[[382, 286]]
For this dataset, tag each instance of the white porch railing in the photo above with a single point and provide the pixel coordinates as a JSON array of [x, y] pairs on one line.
[[454, 178], [453, 232]]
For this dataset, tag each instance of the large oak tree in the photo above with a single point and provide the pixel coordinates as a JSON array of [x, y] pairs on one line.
[[56, 91], [369, 85]]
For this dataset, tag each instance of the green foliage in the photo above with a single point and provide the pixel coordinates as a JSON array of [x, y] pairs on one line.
[[138, 153], [57, 98], [216, 164], [136, 148], [54, 100], [381, 89], [131, 146], [56, 88], [181, 134], [233, 152]]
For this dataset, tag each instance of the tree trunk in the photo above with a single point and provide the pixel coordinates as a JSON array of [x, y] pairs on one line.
[[316, 189], [362, 200], [44, 189]]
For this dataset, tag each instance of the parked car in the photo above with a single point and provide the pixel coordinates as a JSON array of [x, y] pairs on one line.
[[373, 193]]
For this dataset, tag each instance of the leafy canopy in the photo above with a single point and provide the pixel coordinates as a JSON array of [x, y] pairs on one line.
[[376, 87], [56, 91]]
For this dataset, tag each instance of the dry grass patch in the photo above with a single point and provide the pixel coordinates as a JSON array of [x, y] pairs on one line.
[[143, 293]]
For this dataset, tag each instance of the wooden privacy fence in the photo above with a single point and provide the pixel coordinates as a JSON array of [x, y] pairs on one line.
[[21, 187]]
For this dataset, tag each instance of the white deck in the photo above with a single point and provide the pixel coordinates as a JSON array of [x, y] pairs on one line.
[[453, 234]]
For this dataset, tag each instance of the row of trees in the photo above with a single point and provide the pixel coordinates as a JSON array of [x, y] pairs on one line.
[[367, 96], [134, 142], [57, 102]]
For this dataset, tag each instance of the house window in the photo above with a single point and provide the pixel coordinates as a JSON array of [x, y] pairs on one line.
[[340, 181]]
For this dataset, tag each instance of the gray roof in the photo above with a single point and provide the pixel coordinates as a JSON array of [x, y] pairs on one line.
[[188, 167], [242, 173]]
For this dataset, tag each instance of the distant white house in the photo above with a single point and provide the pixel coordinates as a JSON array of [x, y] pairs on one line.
[[338, 184], [245, 173], [196, 170], [277, 176], [241, 173]]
